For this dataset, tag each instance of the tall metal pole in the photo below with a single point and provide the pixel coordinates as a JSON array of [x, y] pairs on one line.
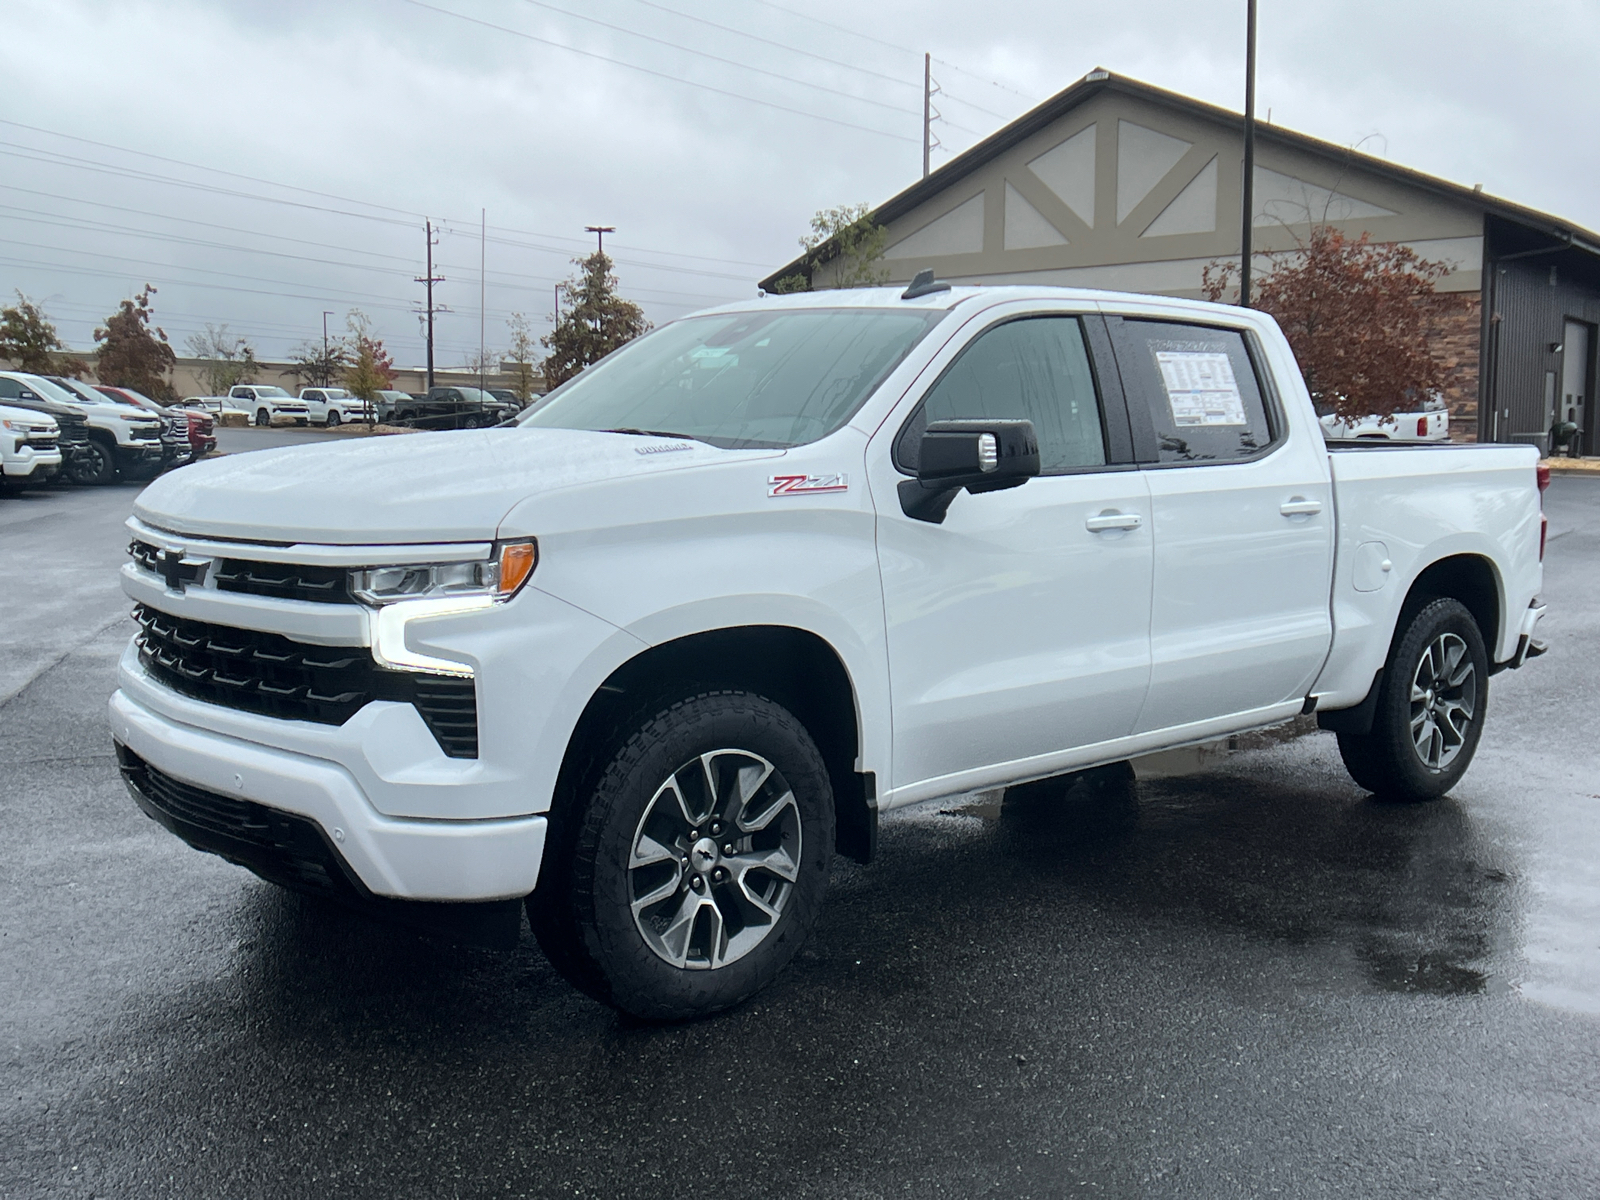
[[429, 228], [483, 252], [326, 313], [600, 232], [927, 109], [1247, 221]]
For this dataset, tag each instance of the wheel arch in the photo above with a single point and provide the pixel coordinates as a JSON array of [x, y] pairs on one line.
[[1470, 578], [794, 667]]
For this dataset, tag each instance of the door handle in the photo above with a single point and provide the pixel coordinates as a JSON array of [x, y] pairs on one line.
[[1113, 520], [1300, 507]]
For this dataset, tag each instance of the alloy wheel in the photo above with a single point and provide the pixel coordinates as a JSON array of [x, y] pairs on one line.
[[715, 858], [1444, 698]]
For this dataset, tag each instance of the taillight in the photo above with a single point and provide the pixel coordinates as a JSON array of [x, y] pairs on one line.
[[1422, 426], [1542, 475]]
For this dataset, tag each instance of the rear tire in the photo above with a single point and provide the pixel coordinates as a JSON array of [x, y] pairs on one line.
[[1430, 709], [685, 877]]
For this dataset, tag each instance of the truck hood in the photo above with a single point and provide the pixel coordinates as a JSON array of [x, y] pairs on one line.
[[419, 487]]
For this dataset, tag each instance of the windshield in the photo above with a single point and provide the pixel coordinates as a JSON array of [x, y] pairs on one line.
[[83, 394], [262, 392], [760, 379], [335, 394], [50, 391]]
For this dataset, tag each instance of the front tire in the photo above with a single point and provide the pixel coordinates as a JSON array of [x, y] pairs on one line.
[[695, 867], [263, 417], [96, 464], [332, 419], [1430, 709]]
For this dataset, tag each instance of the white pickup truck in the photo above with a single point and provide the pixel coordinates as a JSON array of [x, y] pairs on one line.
[[648, 658], [30, 447]]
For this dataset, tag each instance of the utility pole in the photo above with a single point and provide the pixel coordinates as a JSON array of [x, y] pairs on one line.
[[483, 253], [1247, 222], [927, 110], [600, 232], [325, 371], [428, 281]]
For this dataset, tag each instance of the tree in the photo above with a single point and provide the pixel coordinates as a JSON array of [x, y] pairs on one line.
[[371, 369], [317, 364], [846, 236], [1357, 315], [27, 337], [228, 358], [521, 351], [132, 353], [596, 322]]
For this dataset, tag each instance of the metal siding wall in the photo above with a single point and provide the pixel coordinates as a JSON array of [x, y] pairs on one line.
[[1531, 314]]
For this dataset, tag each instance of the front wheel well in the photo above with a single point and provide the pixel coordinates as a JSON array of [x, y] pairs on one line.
[[792, 667]]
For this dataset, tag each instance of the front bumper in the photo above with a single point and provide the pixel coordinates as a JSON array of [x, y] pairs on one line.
[[40, 464], [412, 859]]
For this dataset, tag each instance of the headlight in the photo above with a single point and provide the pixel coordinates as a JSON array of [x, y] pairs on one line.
[[497, 578]]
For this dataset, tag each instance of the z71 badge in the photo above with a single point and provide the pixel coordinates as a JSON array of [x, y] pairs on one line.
[[806, 485]]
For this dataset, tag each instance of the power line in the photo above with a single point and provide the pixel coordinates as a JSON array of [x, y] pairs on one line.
[[799, 112], [755, 37], [730, 62]]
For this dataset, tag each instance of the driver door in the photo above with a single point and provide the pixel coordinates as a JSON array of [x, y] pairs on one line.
[[1019, 628]]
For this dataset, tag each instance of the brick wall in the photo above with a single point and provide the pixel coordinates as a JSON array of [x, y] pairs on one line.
[[1455, 326]]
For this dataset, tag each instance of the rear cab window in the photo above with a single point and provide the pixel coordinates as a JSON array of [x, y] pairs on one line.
[[1195, 390]]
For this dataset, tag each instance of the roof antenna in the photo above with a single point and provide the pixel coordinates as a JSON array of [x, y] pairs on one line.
[[924, 284]]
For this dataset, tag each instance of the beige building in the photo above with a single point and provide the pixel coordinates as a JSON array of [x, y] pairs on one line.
[[1116, 184]]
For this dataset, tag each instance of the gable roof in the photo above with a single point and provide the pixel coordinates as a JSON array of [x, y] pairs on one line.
[[1100, 81]]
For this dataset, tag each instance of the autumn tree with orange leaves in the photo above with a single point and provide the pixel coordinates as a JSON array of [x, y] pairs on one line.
[[1356, 313]]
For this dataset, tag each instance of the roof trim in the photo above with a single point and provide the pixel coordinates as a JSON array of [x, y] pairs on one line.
[[1099, 80]]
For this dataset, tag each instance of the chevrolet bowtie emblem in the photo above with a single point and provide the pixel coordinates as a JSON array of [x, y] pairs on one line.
[[180, 572]]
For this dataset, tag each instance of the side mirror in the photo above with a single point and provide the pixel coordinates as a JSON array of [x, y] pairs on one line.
[[980, 456]]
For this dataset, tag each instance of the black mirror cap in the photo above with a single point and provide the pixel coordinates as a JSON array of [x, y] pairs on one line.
[[980, 456]]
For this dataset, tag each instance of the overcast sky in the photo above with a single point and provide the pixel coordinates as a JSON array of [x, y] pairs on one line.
[[262, 162]]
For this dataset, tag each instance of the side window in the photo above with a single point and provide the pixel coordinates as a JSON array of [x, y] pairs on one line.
[[10, 389], [1199, 387], [1035, 368]]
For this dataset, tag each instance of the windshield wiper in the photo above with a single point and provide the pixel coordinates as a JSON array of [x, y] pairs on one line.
[[666, 433]]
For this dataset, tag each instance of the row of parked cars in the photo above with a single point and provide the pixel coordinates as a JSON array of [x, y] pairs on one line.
[[437, 408], [55, 429]]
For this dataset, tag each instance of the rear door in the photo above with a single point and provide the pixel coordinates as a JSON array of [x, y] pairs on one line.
[[1243, 523], [1019, 627]]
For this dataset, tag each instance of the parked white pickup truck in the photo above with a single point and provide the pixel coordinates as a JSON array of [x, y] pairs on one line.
[[650, 657], [30, 447]]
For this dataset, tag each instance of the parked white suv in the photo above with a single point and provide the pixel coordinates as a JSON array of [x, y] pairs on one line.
[[30, 449], [267, 404], [330, 406], [649, 657]]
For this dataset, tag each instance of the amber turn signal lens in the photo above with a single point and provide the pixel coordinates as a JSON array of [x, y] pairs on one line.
[[517, 560]]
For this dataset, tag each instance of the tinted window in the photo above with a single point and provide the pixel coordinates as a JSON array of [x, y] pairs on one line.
[[1199, 387], [1036, 369]]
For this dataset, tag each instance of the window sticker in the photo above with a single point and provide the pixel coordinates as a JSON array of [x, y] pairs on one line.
[[1201, 389]]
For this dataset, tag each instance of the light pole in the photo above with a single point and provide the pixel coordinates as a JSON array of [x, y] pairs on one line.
[[326, 313], [600, 232], [1248, 191]]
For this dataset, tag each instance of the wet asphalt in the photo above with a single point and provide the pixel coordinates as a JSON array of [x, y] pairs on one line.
[[1247, 981]]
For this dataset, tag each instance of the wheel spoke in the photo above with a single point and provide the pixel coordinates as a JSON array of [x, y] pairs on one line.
[[647, 851], [659, 894], [777, 861], [1455, 717], [676, 936], [758, 822]]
